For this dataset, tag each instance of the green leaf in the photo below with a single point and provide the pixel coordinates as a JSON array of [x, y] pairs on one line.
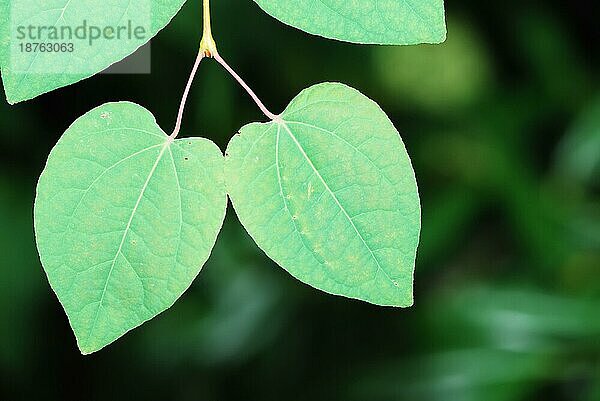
[[124, 219], [27, 74], [391, 22], [4, 38], [328, 192]]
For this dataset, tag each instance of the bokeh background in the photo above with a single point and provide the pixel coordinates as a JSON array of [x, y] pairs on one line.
[[503, 126]]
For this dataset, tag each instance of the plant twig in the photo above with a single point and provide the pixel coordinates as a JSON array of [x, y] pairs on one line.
[[186, 92], [239, 79]]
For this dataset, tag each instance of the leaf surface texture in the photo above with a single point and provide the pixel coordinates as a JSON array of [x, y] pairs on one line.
[[329, 193], [125, 218], [29, 74], [393, 22]]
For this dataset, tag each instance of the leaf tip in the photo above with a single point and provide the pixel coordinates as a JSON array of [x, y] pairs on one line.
[[442, 36], [86, 349], [90, 346], [9, 99]]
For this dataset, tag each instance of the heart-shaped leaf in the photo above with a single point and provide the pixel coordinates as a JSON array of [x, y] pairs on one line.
[[125, 218], [328, 192], [391, 22], [48, 46]]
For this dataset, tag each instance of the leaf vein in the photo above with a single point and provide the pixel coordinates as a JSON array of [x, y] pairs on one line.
[[379, 267], [125, 233]]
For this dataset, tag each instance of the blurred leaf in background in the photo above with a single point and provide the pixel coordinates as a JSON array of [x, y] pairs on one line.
[[21, 284], [578, 156], [442, 78]]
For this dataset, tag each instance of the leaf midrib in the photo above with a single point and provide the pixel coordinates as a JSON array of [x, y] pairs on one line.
[[126, 232], [283, 123], [354, 147]]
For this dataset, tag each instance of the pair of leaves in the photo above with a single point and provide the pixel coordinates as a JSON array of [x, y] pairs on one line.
[[125, 217], [29, 74]]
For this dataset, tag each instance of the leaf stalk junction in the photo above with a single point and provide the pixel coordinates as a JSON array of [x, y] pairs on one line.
[[208, 49]]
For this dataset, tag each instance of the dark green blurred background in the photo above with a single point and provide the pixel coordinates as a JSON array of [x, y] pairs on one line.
[[503, 126]]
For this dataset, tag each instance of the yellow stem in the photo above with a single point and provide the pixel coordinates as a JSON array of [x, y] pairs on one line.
[[207, 44]]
